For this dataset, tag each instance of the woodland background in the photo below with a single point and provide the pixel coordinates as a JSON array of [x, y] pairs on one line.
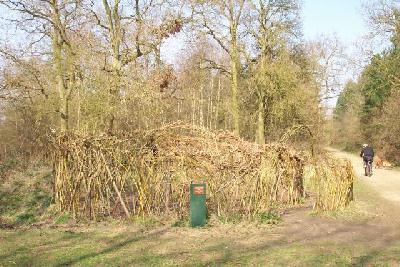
[[95, 67]]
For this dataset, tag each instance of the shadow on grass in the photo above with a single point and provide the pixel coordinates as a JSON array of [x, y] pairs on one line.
[[301, 249], [374, 258], [112, 248], [53, 243], [300, 246]]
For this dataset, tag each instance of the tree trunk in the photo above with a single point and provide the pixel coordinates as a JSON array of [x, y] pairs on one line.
[[61, 86], [114, 91], [234, 80], [260, 136], [217, 104], [63, 60], [115, 35], [210, 106], [201, 107]]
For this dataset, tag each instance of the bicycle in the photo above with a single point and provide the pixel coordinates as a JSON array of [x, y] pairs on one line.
[[368, 168]]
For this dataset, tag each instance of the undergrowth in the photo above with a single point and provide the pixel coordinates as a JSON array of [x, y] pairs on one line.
[[25, 192]]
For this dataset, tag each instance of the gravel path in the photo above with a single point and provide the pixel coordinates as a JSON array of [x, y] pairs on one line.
[[386, 182]]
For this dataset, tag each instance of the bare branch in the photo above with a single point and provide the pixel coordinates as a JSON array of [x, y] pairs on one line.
[[213, 65], [214, 36]]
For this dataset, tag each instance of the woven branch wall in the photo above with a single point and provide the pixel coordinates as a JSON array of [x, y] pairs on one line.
[[150, 173]]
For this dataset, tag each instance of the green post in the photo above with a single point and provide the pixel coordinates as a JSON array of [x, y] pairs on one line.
[[198, 209]]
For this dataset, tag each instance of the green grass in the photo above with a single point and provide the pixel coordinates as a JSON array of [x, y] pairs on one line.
[[25, 195], [64, 248], [103, 247], [181, 223], [63, 218], [11, 163], [271, 217]]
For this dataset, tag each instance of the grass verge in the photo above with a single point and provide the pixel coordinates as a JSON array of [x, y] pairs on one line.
[[172, 247]]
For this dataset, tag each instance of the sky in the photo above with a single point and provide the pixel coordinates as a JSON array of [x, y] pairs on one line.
[[341, 17]]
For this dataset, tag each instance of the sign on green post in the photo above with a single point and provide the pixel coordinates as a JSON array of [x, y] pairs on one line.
[[198, 209]]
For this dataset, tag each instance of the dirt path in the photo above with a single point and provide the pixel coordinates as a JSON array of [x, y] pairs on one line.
[[385, 182], [370, 225]]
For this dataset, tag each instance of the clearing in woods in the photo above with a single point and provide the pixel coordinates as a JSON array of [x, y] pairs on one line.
[[365, 234]]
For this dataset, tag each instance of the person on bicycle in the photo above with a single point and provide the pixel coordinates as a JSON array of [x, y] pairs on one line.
[[367, 153]]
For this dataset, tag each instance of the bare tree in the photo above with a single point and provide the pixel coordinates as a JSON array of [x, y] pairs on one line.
[[129, 37], [273, 25], [330, 65], [383, 16], [221, 21], [54, 20]]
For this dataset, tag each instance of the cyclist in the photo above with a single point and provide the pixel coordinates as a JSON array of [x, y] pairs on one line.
[[367, 153]]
